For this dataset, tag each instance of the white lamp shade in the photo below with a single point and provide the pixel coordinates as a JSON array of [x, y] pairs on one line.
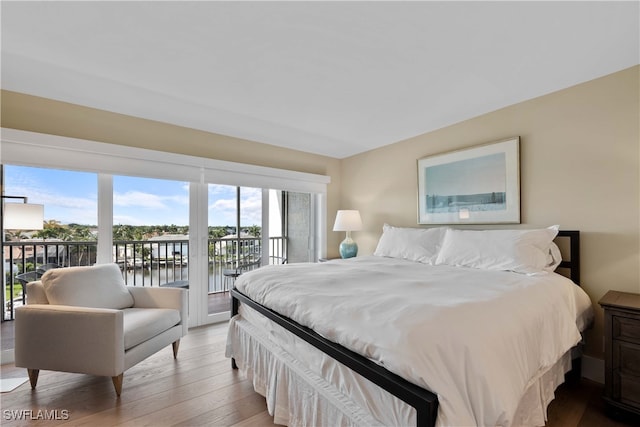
[[348, 220], [23, 216]]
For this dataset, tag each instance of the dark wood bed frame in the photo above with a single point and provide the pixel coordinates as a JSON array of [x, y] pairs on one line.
[[424, 401]]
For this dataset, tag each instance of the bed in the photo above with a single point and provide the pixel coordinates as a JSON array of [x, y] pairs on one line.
[[438, 327]]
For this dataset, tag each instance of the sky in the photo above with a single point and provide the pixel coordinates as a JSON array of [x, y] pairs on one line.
[[478, 175], [71, 197]]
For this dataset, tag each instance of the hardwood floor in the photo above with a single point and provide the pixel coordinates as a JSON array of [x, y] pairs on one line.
[[6, 335], [201, 389]]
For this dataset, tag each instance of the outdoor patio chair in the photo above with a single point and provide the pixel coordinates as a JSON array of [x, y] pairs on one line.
[[27, 277], [45, 267], [85, 320], [231, 274]]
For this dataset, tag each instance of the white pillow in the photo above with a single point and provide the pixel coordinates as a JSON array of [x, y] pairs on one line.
[[414, 244], [99, 286], [554, 258], [522, 251]]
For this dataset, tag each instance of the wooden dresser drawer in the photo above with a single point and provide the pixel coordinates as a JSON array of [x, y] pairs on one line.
[[626, 357], [622, 350], [627, 389], [626, 328]]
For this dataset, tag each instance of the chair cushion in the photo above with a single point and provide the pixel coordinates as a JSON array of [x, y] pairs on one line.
[[99, 286], [141, 324]]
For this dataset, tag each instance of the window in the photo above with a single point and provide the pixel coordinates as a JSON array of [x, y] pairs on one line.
[[151, 230], [112, 162], [69, 235], [235, 217]]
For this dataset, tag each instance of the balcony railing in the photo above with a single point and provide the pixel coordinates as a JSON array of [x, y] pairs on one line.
[[143, 263]]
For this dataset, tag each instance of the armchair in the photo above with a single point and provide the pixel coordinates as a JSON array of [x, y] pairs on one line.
[[85, 320]]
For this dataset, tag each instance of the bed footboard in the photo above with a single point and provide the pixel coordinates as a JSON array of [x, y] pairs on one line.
[[424, 402]]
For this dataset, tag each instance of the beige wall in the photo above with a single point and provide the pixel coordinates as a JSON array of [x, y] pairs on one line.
[[579, 168], [30, 113]]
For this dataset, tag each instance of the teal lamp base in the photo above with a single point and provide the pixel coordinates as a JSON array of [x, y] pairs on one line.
[[348, 248]]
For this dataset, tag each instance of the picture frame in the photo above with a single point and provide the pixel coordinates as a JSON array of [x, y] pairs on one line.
[[477, 185]]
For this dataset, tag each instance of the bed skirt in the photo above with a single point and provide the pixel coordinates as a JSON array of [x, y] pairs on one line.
[[304, 387]]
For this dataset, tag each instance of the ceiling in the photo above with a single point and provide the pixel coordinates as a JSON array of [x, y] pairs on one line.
[[332, 78]]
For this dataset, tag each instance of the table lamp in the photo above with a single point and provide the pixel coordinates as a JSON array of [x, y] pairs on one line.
[[348, 220]]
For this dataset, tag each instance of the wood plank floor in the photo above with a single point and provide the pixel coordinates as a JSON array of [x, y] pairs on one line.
[[201, 389]]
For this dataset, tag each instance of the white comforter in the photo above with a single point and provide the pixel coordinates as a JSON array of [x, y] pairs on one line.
[[476, 338]]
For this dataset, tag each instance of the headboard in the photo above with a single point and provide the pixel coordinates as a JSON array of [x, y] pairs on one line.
[[569, 243]]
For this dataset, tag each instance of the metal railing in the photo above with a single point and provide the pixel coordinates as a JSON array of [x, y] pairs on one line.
[[143, 263]]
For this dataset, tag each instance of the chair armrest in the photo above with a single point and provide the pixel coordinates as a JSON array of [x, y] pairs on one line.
[[176, 298], [71, 339], [36, 294]]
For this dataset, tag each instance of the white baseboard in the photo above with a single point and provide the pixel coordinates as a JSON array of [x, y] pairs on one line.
[[593, 369], [6, 357]]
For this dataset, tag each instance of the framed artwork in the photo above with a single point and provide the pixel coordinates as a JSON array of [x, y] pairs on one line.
[[478, 185]]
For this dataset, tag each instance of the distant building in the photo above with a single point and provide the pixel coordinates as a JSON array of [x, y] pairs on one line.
[[170, 247]]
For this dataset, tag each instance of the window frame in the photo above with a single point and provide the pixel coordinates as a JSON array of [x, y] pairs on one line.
[[24, 148]]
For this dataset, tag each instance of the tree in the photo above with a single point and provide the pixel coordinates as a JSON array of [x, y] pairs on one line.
[[217, 232], [123, 232], [52, 229], [254, 231], [14, 235]]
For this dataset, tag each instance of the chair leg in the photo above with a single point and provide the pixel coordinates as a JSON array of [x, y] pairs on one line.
[[117, 383], [33, 377], [176, 345]]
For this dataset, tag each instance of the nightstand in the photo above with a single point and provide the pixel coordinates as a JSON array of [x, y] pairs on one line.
[[622, 350]]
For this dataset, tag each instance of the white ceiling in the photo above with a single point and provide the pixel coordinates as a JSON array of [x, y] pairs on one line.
[[333, 78]]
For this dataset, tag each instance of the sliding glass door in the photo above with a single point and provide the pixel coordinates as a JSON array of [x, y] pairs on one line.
[[235, 217], [69, 233], [166, 227], [151, 230]]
